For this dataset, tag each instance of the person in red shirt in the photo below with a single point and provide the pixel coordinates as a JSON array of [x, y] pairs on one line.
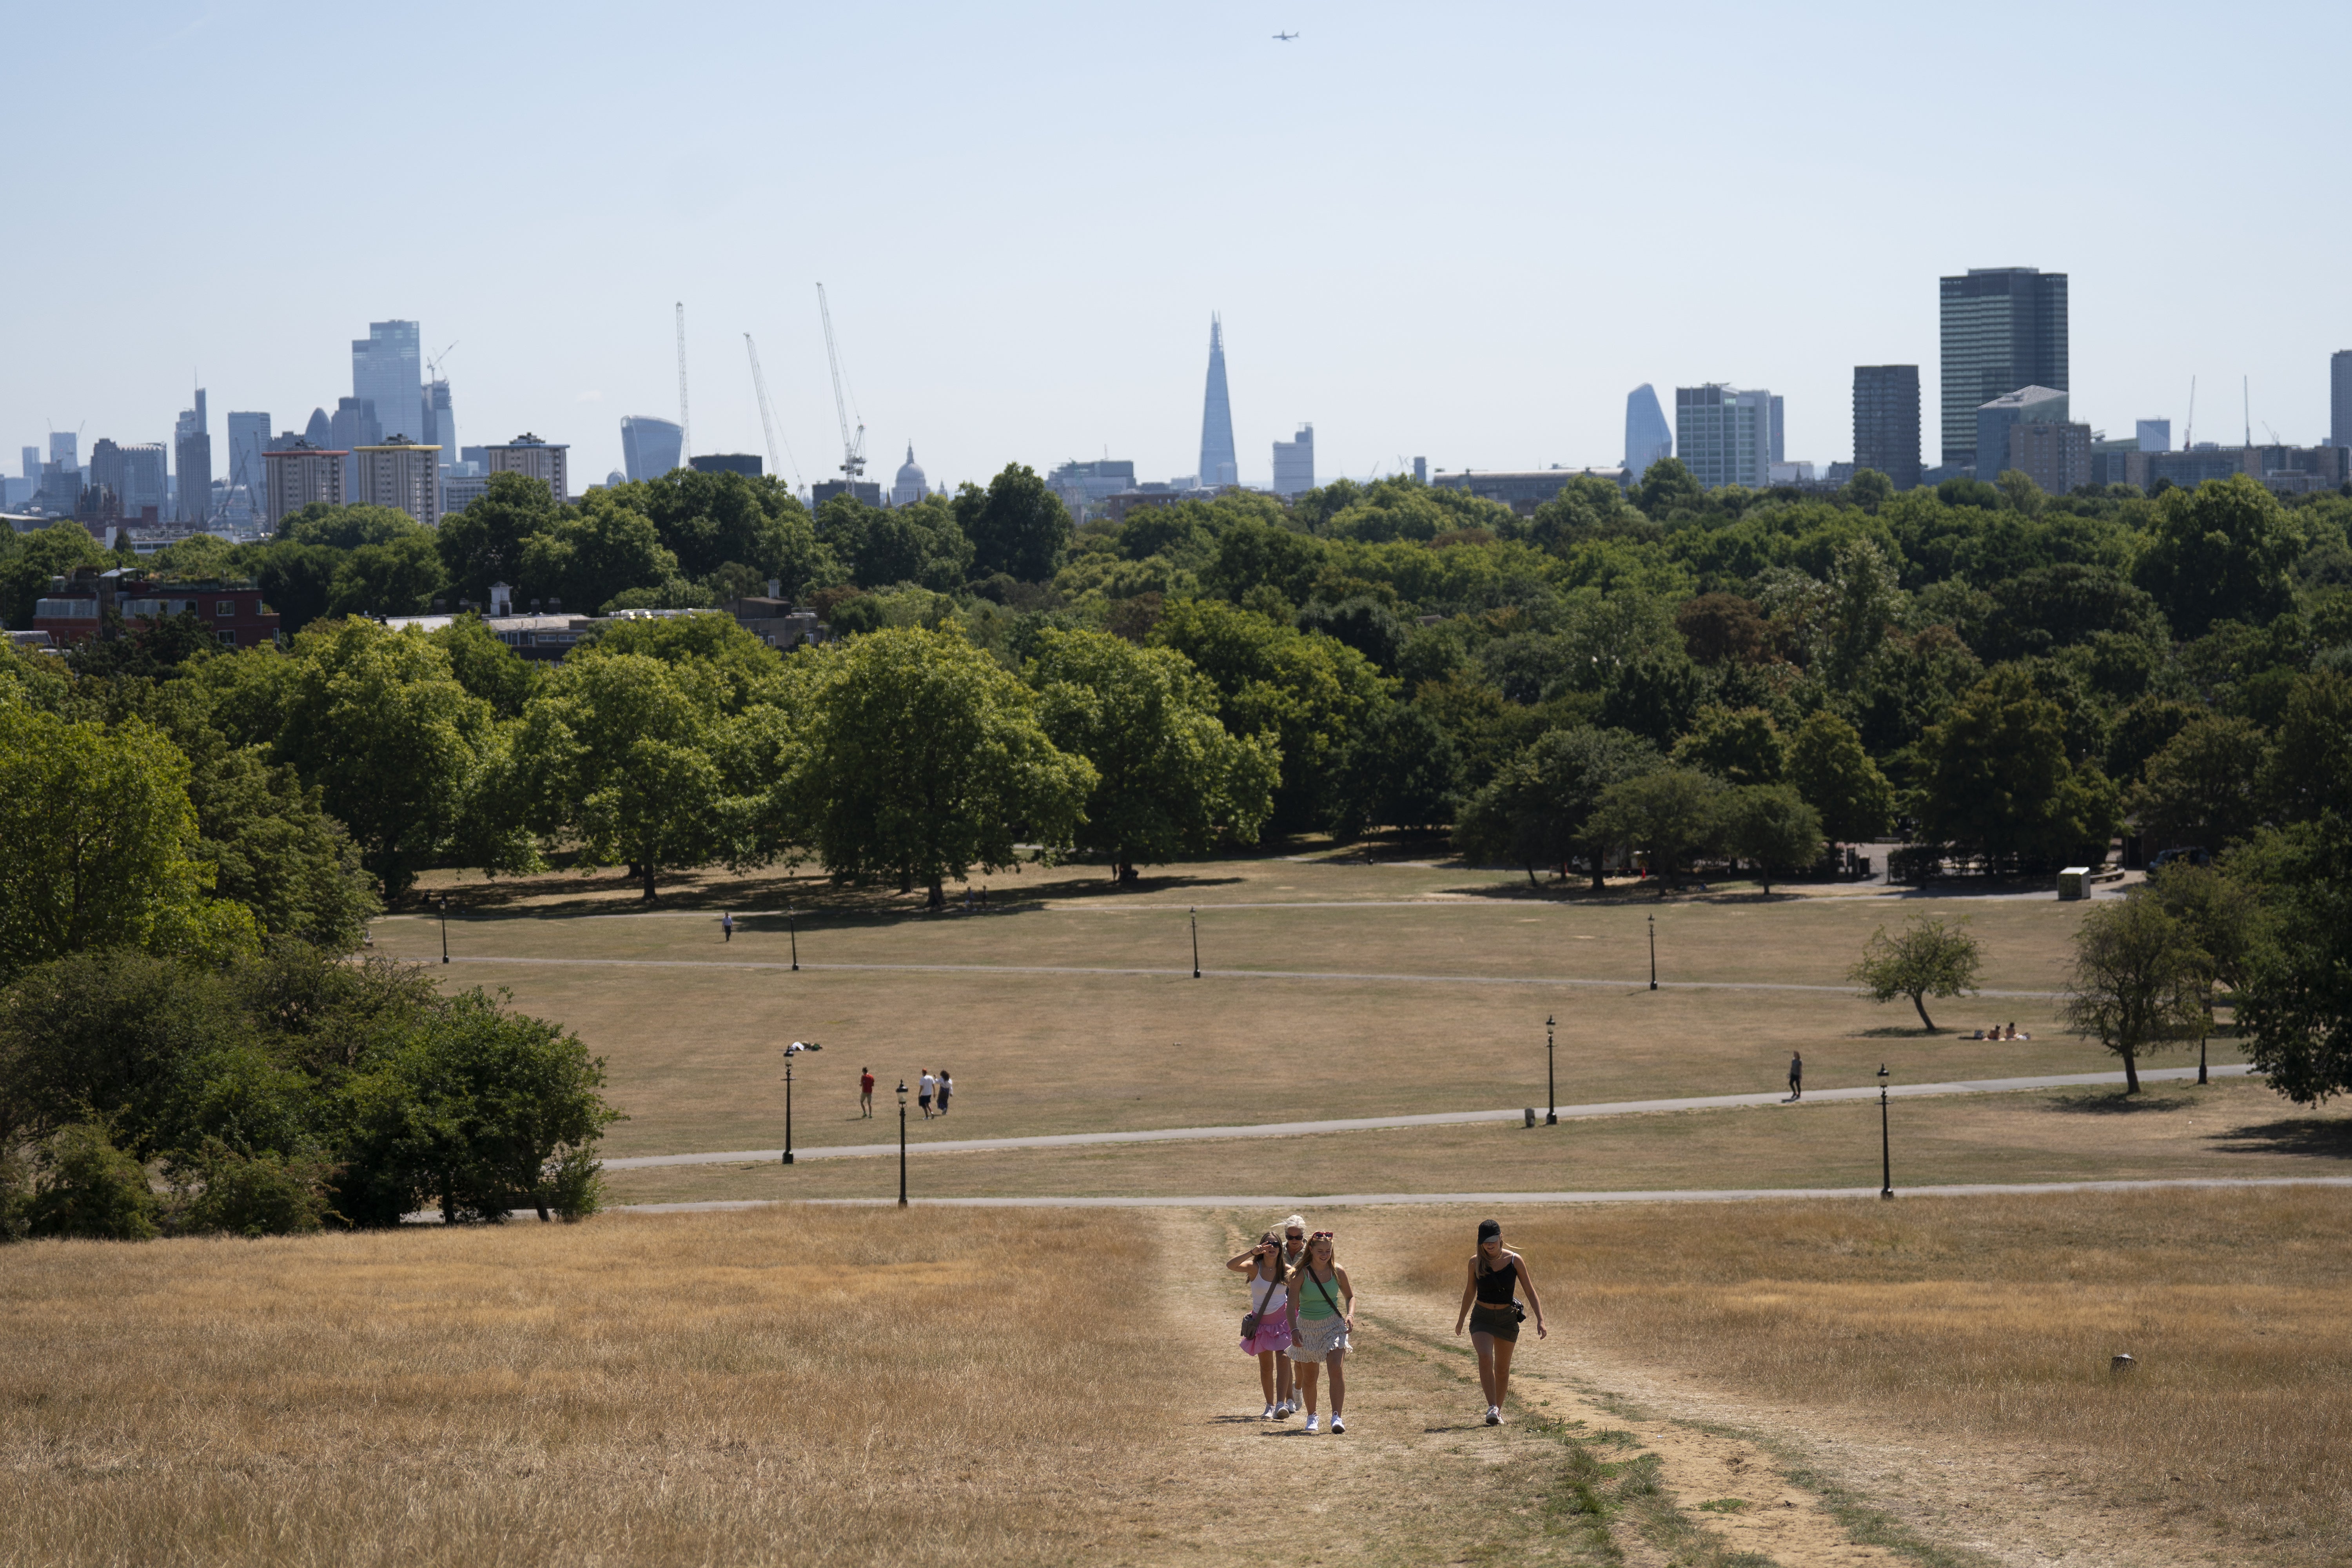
[[866, 1093]]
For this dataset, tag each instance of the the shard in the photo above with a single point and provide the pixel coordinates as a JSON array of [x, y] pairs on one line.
[[1218, 464]]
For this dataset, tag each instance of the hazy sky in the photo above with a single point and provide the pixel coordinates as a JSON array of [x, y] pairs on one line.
[[1463, 232]]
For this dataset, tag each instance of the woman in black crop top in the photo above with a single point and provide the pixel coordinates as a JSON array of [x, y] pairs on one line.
[[1497, 1274]]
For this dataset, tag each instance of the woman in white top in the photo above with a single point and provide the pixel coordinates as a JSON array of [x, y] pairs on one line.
[[1270, 1301]]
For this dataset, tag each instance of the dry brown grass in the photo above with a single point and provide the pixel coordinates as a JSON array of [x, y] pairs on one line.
[[792, 1386], [1986, 1324]]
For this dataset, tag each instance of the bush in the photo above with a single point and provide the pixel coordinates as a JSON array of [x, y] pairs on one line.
[[87, 1187], [573, 1186], [256, 1194]]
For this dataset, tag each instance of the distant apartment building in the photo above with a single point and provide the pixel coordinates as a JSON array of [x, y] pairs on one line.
[[192, 459], [1648, 437], [352, 425], [401, 474], [460, 492], [1086, 489], [649, 447], [2003, 327], [1779, 429], [2056, 456], [2289, 470], [2109, 459], [74, 611], [546, 461], [387, 369], [441, 419], [2156, 435], [1886, 421], [138, 474], [1521, 489], [2026, 406], [1724, 435], [866, 492], [295, 473], [1294, 464]]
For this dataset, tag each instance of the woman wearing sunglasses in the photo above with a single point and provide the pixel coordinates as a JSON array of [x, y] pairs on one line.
[[1497, 1273], [1270, 1339], [1322, 1311]]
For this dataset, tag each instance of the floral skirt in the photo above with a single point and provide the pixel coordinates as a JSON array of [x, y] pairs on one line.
[[1318, 1337]]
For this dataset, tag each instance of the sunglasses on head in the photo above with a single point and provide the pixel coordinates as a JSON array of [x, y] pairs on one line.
[[1323, 1236]]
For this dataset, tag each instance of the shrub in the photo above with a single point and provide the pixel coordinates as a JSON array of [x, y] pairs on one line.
[[267, 1194], [87, 1187]]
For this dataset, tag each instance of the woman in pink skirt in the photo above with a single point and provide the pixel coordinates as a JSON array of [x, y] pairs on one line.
[[1269, 1299]]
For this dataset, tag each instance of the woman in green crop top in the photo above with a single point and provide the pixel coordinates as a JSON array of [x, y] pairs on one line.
[[1322, 1311], [1497, 1275]]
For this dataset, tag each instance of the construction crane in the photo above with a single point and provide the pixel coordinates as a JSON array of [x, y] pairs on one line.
[[853, 448], [768, 419], [685, 441], [433, 364]]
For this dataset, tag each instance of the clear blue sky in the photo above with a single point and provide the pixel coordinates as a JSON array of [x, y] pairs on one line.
[[1461, 232]]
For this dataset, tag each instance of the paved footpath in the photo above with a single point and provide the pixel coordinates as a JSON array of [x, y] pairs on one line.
[[1634, 985], [1320, 1201], [1440, 1119]]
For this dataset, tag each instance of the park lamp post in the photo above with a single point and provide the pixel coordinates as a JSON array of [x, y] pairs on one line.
[[1885, 1149], [793, 924], [1653, 952], [902, 1142], [444, 928], [1195, 915], [1551, 1084], [788, 1108]]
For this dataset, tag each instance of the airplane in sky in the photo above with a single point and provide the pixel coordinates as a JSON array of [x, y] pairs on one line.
[[1284, 37]]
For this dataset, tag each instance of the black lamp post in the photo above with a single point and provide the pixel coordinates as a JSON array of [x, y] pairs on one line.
[[788, 1108], [793, 924], [444, 928], [1195, 915], [1885, 1150], [902, 1142], [1551, 1084], [1653, 952]]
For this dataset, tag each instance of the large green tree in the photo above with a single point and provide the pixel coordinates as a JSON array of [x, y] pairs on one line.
[[486, 542], [594, 552], [1669, 817], [1169, 779], [1016, 526], [2203, 788], [1399, 769], [2140, 981], [1837, 778], [101, 845], [1999, 783], [919, 757], [2223, 552], [1538, 809], [1770, 827]]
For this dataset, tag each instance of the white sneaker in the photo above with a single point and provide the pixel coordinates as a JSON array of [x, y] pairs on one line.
[[1310, 1421], [1494, 1416], [1287, 1408], [1271, 1411], [1338, 1425]]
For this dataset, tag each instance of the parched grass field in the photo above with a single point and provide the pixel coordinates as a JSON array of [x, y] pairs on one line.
[[691, 1027]]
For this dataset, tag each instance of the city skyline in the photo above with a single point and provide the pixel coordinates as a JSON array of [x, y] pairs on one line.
[[1001, 343]]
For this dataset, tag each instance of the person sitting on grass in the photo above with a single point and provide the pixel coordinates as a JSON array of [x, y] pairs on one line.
[[1322, 1311]]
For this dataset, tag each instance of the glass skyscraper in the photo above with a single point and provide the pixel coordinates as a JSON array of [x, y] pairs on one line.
[[1219, 463], [1724, 435], [1648, 438], [2004, 328], [2339, 398], [649, 447], [1886, 421], [248, 437], [387, 369]]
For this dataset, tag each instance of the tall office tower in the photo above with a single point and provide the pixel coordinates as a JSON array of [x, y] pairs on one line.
[[2156, 435], [192, 459], [2026, 406], [248, 437], [649, 447], [62, 447], [1886, 421], [403, 474], [136, 474], [1294, 464], [1724, 435], [32, 456], [297, 472], [1648, 437], [320, 428], [2004, 327], [387, 369], [2339, 398], [1780, 433], [545, 461], [441, 420], [1219, 464], [354, 425]]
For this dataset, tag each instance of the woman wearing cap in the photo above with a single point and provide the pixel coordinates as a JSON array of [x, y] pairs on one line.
[[1270, 1341], [1495, 1273], [1322, 1311]]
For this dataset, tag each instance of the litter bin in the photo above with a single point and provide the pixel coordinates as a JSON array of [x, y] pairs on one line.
[[2074, 882]]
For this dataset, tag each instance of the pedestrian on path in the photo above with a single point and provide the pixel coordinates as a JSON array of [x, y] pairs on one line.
[[1322, 1311], [865, 1094], [1796, 1074], [925, 1087], [726, 926], [947, 1087], [1270, 1339], [1486, 1301]]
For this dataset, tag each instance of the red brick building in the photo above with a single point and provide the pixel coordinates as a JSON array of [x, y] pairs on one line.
[[74, 609]]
